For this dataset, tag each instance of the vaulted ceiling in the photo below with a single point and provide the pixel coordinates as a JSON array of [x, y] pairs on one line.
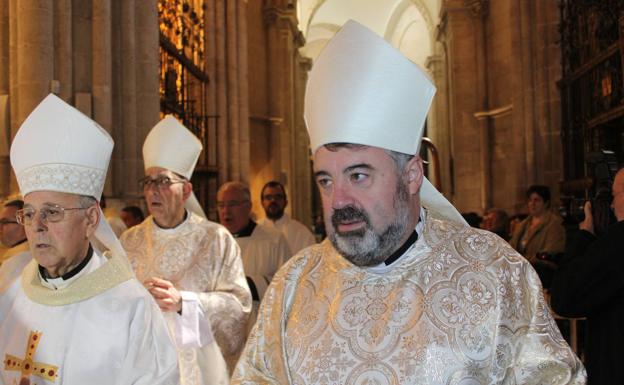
[[408, 25]]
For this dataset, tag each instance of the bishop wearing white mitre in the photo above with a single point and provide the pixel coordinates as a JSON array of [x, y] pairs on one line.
[[402, 291], [75, 316], [191, 265]]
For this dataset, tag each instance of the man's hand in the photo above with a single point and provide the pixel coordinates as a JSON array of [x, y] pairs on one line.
[[167, 297], [588, 222]]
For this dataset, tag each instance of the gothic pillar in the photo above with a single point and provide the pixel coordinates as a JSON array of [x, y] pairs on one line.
[[35, 52], [146, 69], [9, 177], [301, 190], [243, 110], [126, 171], [438, 116], [4, 47], [220, 81], [101, 71], [63, 66], [281, 25], [5, 128], [232, 69], [466, 61]]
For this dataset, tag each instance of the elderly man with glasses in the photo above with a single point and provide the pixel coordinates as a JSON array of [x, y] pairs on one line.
[[76, 316], [190, 265], [263, 249]]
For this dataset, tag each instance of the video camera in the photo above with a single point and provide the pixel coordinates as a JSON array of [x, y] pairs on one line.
[[602, 167]]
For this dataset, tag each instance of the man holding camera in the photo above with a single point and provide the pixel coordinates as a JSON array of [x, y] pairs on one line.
[[590, 283]]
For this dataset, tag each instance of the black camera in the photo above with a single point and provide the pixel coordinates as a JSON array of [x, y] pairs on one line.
[[603, 166]]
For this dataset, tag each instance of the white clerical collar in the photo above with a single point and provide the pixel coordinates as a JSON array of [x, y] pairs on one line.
[[382, 267], [280, 222], [96, 261], [187, 217]]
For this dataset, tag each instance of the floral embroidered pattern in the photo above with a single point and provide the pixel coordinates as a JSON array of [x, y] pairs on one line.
[[328, 363], [374, 312], [62, 177], [481, 302], [438, 265], [423, 358], [200, 257]]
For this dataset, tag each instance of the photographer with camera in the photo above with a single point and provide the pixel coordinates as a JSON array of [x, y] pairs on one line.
[[590, 283]]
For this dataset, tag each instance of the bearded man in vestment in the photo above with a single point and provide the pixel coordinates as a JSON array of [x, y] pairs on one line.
[[274, 202], [403, 291], [191, 266], [75, 316]]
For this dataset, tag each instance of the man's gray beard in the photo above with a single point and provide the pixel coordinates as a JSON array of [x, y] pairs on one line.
[[365, 247]]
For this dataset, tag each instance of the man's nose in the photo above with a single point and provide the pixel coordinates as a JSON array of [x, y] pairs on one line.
[[39, 223], [341, 196]]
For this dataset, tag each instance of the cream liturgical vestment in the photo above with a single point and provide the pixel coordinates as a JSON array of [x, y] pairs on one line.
[[14, 261], [459, 307], [263, 252], [202, 260], [99, 327], [296, 233]]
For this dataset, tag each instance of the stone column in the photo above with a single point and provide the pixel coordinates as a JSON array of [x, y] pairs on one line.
[[4, 47], [302, 187], [231, 22], [63, 46], [13, 90], [280, 72], [35, 32], [465, 47], [438, 116], [82, 51], [125, 172], [35, 52], [101, 72], [243, 97], [147, 67], [5, 134], [220, 85]]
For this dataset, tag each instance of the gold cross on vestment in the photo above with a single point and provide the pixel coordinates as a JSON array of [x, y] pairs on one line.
[[27, 366]]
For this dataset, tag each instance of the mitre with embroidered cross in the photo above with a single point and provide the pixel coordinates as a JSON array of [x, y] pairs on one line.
[[58, 148], [361, 90], [172, 146]]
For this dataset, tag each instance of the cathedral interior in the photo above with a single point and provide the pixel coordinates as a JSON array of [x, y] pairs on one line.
[[528, 92]]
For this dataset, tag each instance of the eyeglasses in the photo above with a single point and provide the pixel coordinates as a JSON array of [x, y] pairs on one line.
[[230, 204], [47, 214], [7, 222], [273, 197], [161, 182]]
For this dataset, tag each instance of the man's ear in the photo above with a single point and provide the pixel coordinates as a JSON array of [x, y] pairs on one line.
[[93, 218], [414, 174], [187, 190]]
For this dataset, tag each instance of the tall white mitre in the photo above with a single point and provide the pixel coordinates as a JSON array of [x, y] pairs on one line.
[[172, 146], [58, 148], [363, 91]]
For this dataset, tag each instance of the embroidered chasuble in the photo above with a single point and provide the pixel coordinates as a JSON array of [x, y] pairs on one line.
[[459, 307], [99, 327], [202, 260]]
